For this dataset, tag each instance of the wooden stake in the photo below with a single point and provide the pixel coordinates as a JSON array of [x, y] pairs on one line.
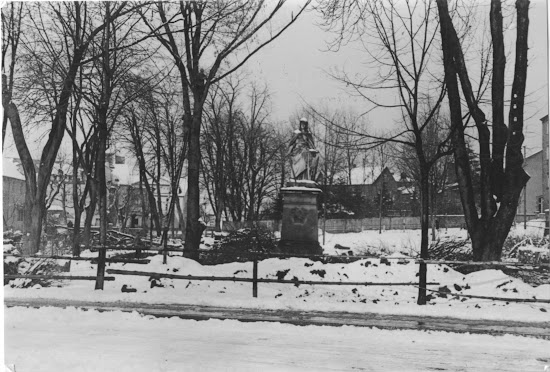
[[255, 277]]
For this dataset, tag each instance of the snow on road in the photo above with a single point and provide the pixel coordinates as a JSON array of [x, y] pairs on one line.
[[52, 339]]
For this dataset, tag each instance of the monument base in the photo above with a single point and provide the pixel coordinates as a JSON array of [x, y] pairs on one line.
[[300, 247], [299, 230]]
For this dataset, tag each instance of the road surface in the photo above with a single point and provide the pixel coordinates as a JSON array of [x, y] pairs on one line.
[[383, 321], [56, 339]]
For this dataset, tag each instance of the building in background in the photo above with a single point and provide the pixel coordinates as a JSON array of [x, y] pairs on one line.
[[13, 193], [536, 194], [127, 207]]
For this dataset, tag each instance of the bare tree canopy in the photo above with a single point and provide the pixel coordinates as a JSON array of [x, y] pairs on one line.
[[208, 41]]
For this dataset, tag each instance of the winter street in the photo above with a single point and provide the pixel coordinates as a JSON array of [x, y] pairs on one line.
[[116, 341], [302, 318]]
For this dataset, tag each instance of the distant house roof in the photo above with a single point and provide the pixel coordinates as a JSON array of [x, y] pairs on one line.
[[10, 169], [368, 175]]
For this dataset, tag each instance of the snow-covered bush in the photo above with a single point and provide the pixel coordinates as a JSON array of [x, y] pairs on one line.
[[12, 237], [239, 246]]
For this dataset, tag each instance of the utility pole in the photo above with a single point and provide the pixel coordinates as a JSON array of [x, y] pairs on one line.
[[524, 200], [380, 210]]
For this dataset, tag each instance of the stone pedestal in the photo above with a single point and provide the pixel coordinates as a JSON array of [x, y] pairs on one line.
[[299, 230]]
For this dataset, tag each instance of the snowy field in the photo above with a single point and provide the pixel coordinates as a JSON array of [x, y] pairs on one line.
[[389, 241], [116, 341], [408, 241]]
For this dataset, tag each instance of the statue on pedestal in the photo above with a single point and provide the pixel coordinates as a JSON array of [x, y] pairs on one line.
[[299, 225], [304, 157]]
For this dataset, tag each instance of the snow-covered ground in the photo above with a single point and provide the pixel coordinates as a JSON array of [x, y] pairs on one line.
[[408, 241], [382, 299], [53, 339], [389, 241], [92, 341]]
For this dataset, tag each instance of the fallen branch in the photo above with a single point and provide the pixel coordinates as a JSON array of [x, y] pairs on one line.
[[67, 277], [112, 260], [477, 263], [250, 280], [491, 297], [126, 248]]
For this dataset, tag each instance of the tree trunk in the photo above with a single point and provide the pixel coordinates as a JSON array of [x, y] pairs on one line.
[[194, 228], [102, 149], [102, 196], [138, 147], [181, 218], [78, 207], [37, 215], [4, 127], [143, 207], [219, 209], [12, 112], [425, 226], [76, 232], [380, 209], [90, 211], [433, 194]]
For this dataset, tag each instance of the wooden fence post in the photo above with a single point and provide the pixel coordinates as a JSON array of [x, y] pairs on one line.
[[102, 254], [255, 276], [422, 282], [165, 244], [137, 242]]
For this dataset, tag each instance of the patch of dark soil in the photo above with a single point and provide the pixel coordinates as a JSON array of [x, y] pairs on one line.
[[321, 273]]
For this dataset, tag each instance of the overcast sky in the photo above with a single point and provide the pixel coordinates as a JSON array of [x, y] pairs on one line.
[[295, 66]]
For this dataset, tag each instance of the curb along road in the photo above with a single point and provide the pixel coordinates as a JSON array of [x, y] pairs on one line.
[[296, 317]]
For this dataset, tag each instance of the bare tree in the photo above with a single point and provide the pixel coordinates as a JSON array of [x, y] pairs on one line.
[[502, 177], [407, 163], [338, 142], [218, 137], [11, 26], [208, 41], [55, 42], [398, 39], [240, 152], [153, 130]]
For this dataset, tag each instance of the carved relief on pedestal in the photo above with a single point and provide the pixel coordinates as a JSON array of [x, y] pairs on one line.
[[298, 216]]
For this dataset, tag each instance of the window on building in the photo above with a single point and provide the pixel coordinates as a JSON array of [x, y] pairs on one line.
[[20, 214]]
